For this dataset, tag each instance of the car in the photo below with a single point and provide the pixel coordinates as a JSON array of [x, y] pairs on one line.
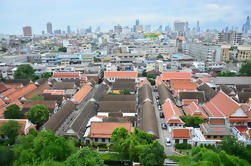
[[159, 108], [163, 125], [157, 97], [161, 115], [168, 142]]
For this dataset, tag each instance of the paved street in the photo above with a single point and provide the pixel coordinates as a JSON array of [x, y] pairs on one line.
[[163, 133]]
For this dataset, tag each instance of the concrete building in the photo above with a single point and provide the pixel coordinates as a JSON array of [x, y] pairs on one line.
[[49, 27], [243, 52], [27, 31], [118, 29], [232, 38], [180, 27], [154, 66], [225, 54]]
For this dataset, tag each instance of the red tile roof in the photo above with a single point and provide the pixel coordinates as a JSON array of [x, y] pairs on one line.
[[2, 103], [205, 79], [82, 93], [66, 75], [143, 82], [241, 129], [171, 112], [25, 125], [194, 110], [181, 134], [14, 85], [8, 92], [38, 90], [175, 75], [105, 129], [221, 105], [2, 87], [54, 92], [189, 101], [121, 74], [22, 92], [183, 85], [158, 80]]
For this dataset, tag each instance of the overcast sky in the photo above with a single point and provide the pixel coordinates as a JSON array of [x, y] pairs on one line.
[[14, 14]]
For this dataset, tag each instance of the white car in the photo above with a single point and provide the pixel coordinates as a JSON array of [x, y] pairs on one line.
[[168, 142]]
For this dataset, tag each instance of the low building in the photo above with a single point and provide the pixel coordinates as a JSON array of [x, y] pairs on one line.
[[180, 135], [59, 76], [243, 53], [111, 76]]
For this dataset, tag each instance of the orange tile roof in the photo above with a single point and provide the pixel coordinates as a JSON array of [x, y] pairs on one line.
[[221, 105], [181, 37], [171, 112], [25, 125], [14, 85], [194, 110], [181, 134], [38, 90], [158, 80], [8, 92], [54, 92], [82, 93], [205, 79], [121, 74], [2, 103], [183, 85], [175, 75], [189, 101], [66, 75], [143, 82], [105, 129], [22, 92]]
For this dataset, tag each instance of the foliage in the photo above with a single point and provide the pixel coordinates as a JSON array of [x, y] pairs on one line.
[[125, 92], [246, 68], [10, 129], [226, 74], [13, 112], [130, 146], [151, 81], [24, 72], [107, 157], [183, 146], [6, 155], [85, 157], [62, 49], [144, 74], [46, 75], [192, 121], [4, 49], [42, 147], [175, 158], [36, 97], [159, 57], [38, 114], [97, 59], [203, 156], [151, 76], [152, 155]]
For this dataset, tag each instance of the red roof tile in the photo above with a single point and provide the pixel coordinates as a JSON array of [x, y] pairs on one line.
[[8, 92], [121, 74], [38, 90], [158, 80], [2, 87], [66, 75], [22, 92], [194, 110], [171, 112], [25, 125], [82, 93], [183, 85], [189, 101], [181, 134], [54, 92], [105, 129], [175, 75]]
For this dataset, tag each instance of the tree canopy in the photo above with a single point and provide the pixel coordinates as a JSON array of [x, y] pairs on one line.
[[62, 49], [10, 129], [38, 114], [36, 97], [46, 75], [246, 68], [226, 74], [13, 112], [192, 121], [24, 71]]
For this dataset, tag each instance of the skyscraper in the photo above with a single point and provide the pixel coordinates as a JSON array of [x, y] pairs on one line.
[[68, 29], [198, 26], [180, 27], [137, 22], [246, 26], [27, 31], [49, 27]]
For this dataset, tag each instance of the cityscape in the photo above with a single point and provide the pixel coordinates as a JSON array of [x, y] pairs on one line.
[[136, 83]]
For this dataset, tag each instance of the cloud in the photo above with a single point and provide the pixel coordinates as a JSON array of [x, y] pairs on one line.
[[218, 7]]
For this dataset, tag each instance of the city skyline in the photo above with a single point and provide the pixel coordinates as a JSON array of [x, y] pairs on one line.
[[82, 14]]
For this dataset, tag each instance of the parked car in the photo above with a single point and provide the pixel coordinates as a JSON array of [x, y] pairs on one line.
[[157, 97], [168, 142], [160, 108], [163, 125], [161, 115]]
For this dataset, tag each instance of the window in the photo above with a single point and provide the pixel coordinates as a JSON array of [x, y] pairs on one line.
[[184, 140], [103, 139], [96, 139], [177, 141], [215, 136]]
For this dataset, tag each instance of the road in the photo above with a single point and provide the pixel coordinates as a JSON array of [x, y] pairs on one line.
[[163, 133]]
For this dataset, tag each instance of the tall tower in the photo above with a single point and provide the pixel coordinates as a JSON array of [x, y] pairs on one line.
[[137, 22], [198, 26], [68, 29], [27, 31], [49, 27]]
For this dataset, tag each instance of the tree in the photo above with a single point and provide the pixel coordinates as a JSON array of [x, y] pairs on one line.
[[38, 114], [62, 49], [144, 74], [226, 74], [192, 121], [6, 155], [246, 68], [24, 72], [125, 92], [97, 59], [13, 112], [36, 97], [152, 155], [10, 129], [85, 157], [160, 57], [4, 49], [46, 75]]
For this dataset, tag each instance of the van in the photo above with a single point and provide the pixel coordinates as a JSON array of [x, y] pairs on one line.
[[168, 142]]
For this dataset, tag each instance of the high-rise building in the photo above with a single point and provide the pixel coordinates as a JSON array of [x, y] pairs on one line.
[[118, 29], [49, 27], [246, 27], [198, 26], [57, 32], [231, 38], [68, 29], [137, 22], [180, 27], [27, 31]]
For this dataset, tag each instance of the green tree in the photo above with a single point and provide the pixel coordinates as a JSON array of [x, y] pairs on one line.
[[10, 129], [226, 74], [152, 155], [62, 49], [13, 112], [159, 56], [24, 72], [96, 59], [144, 74], [46, 75], [36, 97], [246, 68], [85, 157], [125, 92], [38, 114], [4, 49], [6, 155], [192, 121]]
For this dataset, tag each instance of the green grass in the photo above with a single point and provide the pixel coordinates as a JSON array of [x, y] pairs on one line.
[[111, 157], [175, 158]]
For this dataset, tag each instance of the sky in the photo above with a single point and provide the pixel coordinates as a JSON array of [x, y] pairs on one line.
[[14, 14]]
